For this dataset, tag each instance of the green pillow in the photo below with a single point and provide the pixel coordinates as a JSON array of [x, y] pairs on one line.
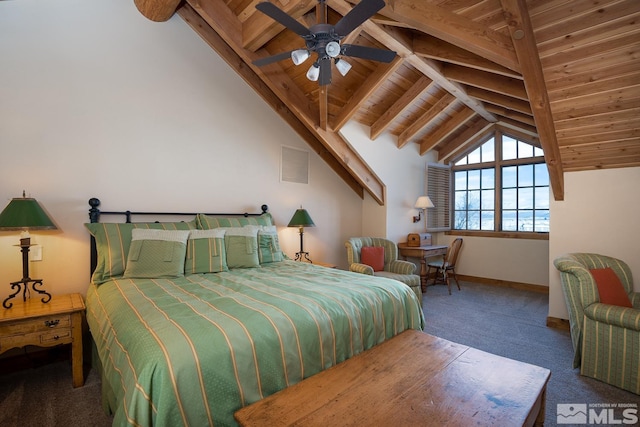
[[113, 241], [269, 245], [241, 244], [206, 252], [207, 222], [156, 253]]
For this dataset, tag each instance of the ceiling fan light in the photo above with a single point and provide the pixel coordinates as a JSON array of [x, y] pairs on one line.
[[299, 56], [332, 49], [342, 66], [314, 72]]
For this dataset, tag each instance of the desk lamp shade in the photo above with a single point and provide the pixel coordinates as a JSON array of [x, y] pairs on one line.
[[24, 213], [301, 219]]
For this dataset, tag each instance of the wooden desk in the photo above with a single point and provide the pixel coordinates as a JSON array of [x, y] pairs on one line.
[[422, 252], [441, 384]]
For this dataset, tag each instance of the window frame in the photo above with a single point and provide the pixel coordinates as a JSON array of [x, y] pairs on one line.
[[497, 164]]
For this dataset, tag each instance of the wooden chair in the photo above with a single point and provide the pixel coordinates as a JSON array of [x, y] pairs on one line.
[[446, 266]]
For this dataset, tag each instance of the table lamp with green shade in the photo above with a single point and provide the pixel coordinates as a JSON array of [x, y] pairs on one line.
[[25, 213], [301, 219]]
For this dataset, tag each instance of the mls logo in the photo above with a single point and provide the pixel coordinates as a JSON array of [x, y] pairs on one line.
[[572, 413]]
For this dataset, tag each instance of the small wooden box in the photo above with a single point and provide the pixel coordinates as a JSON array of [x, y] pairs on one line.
[[419, 239]]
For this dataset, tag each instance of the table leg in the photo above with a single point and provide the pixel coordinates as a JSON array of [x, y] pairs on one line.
[[423, 274]]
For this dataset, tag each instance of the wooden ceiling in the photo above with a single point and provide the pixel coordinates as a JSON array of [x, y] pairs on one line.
[[564, 74]]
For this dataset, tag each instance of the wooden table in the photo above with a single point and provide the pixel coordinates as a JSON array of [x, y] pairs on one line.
[[413, 379], [422, 252], [46, 324]]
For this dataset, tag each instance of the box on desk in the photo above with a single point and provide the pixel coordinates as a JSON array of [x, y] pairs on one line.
[[419, 239]]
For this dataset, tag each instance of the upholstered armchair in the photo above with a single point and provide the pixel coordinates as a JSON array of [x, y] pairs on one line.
[[605, 337], [392, 267]]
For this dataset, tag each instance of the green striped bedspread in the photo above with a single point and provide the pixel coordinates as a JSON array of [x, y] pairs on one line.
[[193, 350]]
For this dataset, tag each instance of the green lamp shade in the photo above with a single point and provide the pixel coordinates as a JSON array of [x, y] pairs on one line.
[[301, 219], [25, 213]]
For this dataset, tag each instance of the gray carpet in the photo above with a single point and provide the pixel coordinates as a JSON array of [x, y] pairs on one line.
[[498, 320]]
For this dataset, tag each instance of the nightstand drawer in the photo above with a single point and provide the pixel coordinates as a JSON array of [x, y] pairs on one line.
[[49, 338], [40, 324]]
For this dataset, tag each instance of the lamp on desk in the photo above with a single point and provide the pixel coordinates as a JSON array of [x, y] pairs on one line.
[[301, 219], [24, 213], [423, 203]]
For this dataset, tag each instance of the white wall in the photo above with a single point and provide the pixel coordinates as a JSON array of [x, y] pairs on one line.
[[601, 214], [98, 101]]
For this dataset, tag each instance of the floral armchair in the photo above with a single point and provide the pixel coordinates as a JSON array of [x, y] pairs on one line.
[[393, 267], [605, 337]]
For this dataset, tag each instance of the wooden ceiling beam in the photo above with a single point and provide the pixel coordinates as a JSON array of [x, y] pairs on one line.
[[500, 99], [459, 145], [488, 81], [519, 24], [405, 101], [455, 29], [370, 85], [157, 10], [513, 115], [329, 145], [444, 131], [427, 117], [431, 47]]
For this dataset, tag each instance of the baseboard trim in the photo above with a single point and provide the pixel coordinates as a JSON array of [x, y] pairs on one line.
[[556, 322], [505, 283]]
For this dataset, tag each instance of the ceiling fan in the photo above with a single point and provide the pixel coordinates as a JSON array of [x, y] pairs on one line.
[[324, 39]]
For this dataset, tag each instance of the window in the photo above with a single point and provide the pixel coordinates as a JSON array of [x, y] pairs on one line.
[[503, 185]]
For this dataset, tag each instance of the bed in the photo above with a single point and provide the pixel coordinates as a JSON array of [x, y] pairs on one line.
[[236, 322]]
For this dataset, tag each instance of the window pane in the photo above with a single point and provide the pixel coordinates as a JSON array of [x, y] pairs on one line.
[[524, 150], [474, 199], [474, 156], [489, 151], [509, 222], [509, 177], [510, 198], [542, 174], [461, 180], [461, 200], [525, 220], [525, 176], [474, 220], [542, 198], [542, 221], [488, 220], [488, 199], [525, 198], [474, 179], [462, 161], [537, 152], [488, 178], [460, 220], [509, 148]]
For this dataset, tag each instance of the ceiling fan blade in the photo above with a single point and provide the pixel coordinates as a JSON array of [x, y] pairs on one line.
[[356, 16], [283, 18], [270, 59], [364, 52], [325, 72]]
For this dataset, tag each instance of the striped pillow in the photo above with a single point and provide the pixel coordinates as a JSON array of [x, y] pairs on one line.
[[113, 241], [207, 222], [206, 252], [269, 245], [241, 244]]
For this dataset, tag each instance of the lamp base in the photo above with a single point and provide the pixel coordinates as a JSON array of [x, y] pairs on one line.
[[303, 256], [18, 286]]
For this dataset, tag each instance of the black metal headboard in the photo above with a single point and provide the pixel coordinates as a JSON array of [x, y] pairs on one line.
[[95, 213]]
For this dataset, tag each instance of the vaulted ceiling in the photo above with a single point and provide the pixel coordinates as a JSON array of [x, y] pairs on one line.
[[563, 74]]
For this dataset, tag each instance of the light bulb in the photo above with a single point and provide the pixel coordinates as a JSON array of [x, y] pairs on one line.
[[299, 56], [343, 66], [332, 49], [314, 72]]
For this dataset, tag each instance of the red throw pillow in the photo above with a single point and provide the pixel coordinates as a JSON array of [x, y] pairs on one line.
[[610, 288], [373, 256]]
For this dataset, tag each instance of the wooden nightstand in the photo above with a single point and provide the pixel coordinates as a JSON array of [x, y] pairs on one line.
[[325, 264], [57, 322]]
